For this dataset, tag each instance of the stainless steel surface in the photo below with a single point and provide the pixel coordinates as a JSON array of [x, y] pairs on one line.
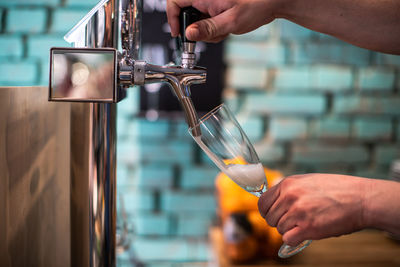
[[94, 160], [131, 22], [34, 179], [189, 47], [102, 184], [188, 56], [83, 75]]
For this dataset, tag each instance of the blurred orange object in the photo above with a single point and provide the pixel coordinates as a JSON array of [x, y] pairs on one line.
[[232, 198], [246, 234]]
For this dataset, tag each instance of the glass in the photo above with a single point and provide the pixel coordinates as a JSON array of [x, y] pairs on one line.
[[226, 144]]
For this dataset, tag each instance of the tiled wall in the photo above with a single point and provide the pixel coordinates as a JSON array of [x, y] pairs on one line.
[[309, 102], [167, 189]]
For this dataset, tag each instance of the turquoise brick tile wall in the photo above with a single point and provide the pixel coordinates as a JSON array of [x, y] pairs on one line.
[[11, 47], [149, 130], [80, 3], [193, 225], [335, 128], [63, 19], [34, 20], [170, 249], [270, 151], [292, 78], [386, 153], [171, 215], [152, 224], [281, 128], [267, 103], [328, 51], [373, 129], [29, 3], [357, 104], [380, 79], [260, 53], [18, 73], [180, 201], [316, 77], [136, 200], [38, 46], [173, 151], [198, 177], [332, 77], [328, 153], [386, 60], [309, 103], [247, 77], [154, 176]]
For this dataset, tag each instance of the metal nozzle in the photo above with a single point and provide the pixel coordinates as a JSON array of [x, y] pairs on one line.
[[187, 16]]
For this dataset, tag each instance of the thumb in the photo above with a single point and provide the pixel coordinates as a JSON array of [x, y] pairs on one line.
[[210, 29]]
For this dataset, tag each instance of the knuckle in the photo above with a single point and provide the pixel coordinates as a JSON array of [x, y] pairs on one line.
[[210, 28]]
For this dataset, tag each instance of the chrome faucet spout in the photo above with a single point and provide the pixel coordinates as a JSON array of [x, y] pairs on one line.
[[180, 80]]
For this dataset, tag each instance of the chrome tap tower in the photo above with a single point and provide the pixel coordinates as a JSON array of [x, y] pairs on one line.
[[103, 64]]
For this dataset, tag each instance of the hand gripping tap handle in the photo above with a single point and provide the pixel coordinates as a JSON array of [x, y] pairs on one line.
[[187, 16], [187, 47]]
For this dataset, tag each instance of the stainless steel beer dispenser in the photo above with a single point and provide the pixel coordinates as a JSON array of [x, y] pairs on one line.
[[101, 66]]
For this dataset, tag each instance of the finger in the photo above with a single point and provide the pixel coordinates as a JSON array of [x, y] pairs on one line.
[[173, 11], [211, 29], [276, 211], [294, 236], [267, 199], [285, 224], [192, 35]]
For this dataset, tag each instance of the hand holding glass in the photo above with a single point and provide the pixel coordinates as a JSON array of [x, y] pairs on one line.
[[226, 144]]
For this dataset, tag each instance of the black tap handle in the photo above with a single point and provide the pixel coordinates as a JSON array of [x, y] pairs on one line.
[[187, 16]]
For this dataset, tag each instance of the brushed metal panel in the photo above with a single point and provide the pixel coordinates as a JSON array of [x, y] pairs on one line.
[[34, 179]]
